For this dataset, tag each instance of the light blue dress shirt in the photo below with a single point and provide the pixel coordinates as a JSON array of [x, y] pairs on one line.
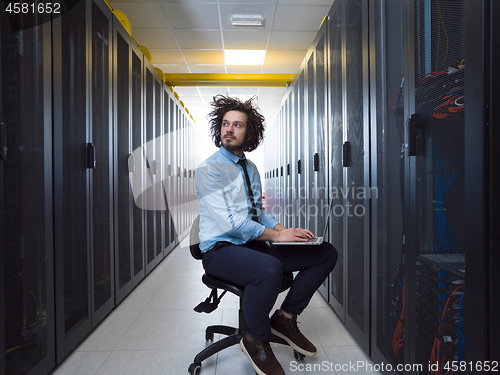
[[224, 204]]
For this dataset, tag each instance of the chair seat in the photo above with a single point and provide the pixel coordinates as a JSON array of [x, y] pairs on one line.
[[214, 282]]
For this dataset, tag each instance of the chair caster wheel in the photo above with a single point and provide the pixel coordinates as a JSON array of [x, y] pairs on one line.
[[298, 356], [195, 368], [209, 336]]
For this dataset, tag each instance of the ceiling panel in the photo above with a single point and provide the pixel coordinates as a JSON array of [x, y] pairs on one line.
[[291, 40], [143, 15], [189, 36], [249, 91], [199, 39], [299, 18], [166, 56], [156, 38], [284, 57], [244, 39], [187, 91], [197, 56], [244, 69], [192, 16], [213, 90]]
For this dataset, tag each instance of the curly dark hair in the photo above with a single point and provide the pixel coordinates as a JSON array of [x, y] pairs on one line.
[[255, 123]]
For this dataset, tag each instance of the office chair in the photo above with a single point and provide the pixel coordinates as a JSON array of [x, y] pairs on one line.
[[234, 335]]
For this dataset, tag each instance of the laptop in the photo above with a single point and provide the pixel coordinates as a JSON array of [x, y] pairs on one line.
[[310, 241]]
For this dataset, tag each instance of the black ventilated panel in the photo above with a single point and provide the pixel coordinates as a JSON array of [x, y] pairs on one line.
[[101, 125], [172, 180], [321, 191], [336, 233], [164, 186], [74, 191], [302, 148], [24, 246], [159, 163], [123, 138], [389, 193], [311, 131], [440, 181], [150, 214], [356, 170], [138, 218]]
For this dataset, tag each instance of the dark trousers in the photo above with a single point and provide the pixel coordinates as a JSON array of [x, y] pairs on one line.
[[259, 268]]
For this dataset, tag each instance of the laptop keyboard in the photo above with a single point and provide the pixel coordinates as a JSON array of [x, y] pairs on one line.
[[314, 240]]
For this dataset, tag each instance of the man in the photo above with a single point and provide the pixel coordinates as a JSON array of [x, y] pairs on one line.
[[233, 234]]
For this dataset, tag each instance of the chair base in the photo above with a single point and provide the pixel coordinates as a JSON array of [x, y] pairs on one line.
[[234, 336]]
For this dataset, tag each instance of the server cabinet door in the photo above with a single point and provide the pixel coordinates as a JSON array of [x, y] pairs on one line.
[[101, 182], [435, 276], [167, 221], [356, 171], [27, 286], [301, 147], [139, 170], [149, 156], [336, 176], [122, 169], [159, 201], [387, 169], [71, 179], [172, 179], [320, 157]]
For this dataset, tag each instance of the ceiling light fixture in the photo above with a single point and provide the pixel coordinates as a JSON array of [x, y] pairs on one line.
[[244, 57], [243, 20]]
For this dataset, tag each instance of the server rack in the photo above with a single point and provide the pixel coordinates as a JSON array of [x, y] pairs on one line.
[[101, 178], [27, 301], [425, 160], [83, 141], [71, 174], [149, 157], [336, 229], [124, 201], [387, 170], [159, 145], [74, 233], [138, 171]]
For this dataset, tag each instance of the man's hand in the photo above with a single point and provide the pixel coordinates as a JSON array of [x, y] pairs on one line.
[[294, 234], [281, 234]]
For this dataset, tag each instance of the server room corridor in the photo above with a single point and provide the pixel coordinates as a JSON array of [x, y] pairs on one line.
[[155, 331], [379, 137]]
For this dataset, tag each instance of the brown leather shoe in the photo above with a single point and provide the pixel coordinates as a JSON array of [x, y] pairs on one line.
[[262, 357], [288, 330]]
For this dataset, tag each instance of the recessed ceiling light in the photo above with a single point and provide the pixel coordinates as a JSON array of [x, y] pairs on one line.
[[244, 57], [244, 20]]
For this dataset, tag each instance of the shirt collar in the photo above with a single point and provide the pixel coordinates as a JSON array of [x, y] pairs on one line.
[[230, 155]]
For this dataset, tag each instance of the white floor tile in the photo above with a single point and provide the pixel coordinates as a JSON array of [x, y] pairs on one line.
[[156, 331], [82, 363]]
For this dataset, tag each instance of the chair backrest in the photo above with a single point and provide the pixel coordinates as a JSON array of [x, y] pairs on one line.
[[194, 239]]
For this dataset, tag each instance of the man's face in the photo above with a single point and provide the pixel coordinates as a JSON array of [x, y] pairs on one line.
[[233, 131]]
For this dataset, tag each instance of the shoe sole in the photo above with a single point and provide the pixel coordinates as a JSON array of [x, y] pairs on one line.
[[257, 370], [292, 344]]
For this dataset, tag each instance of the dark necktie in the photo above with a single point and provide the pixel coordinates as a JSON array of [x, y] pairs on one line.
[[253, 210]]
